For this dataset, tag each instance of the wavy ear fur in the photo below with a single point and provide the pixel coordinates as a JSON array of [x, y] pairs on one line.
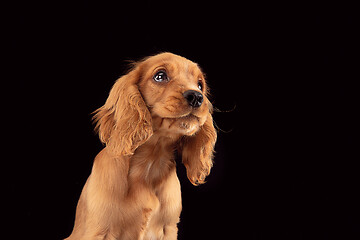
[[197, 152], [124, 122]]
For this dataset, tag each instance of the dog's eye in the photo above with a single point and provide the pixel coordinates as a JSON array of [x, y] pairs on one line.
[[160, 76], [200, 85]]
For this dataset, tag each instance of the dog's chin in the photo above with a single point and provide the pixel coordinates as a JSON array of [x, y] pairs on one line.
[[188, 125], [178, 125]]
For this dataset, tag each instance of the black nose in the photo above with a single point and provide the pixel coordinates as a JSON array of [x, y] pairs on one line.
[[194, 98]]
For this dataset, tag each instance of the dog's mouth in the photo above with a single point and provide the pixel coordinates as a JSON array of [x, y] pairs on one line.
[[183, 116], [184, 125]]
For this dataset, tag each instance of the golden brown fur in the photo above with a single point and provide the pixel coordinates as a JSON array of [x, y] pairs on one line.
[[133, 191]]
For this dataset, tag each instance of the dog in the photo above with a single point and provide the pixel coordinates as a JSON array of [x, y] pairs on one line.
[[158, 108]]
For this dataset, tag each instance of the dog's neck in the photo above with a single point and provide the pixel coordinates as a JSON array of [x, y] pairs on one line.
[[154, 160]]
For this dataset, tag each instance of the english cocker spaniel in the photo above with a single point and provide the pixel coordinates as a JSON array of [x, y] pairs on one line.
[[133, 191]]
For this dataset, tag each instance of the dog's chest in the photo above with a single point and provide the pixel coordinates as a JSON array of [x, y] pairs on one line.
[[167, 214]]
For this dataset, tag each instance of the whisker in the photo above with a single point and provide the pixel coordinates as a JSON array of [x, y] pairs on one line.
[[221, 130], [222, 111]]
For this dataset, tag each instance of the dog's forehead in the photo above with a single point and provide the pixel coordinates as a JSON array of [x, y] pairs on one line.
[[173, 62]]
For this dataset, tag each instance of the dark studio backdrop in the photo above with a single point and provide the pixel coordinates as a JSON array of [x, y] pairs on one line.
[[282, 77]]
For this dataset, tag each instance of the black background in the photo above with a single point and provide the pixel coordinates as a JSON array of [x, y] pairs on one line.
[[282, 76]]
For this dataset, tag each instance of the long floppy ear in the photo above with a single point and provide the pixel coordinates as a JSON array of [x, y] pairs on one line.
[[197, 152], [124, 122]]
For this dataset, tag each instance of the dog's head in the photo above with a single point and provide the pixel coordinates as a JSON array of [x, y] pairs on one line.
[[175, 91], [163, 94]]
